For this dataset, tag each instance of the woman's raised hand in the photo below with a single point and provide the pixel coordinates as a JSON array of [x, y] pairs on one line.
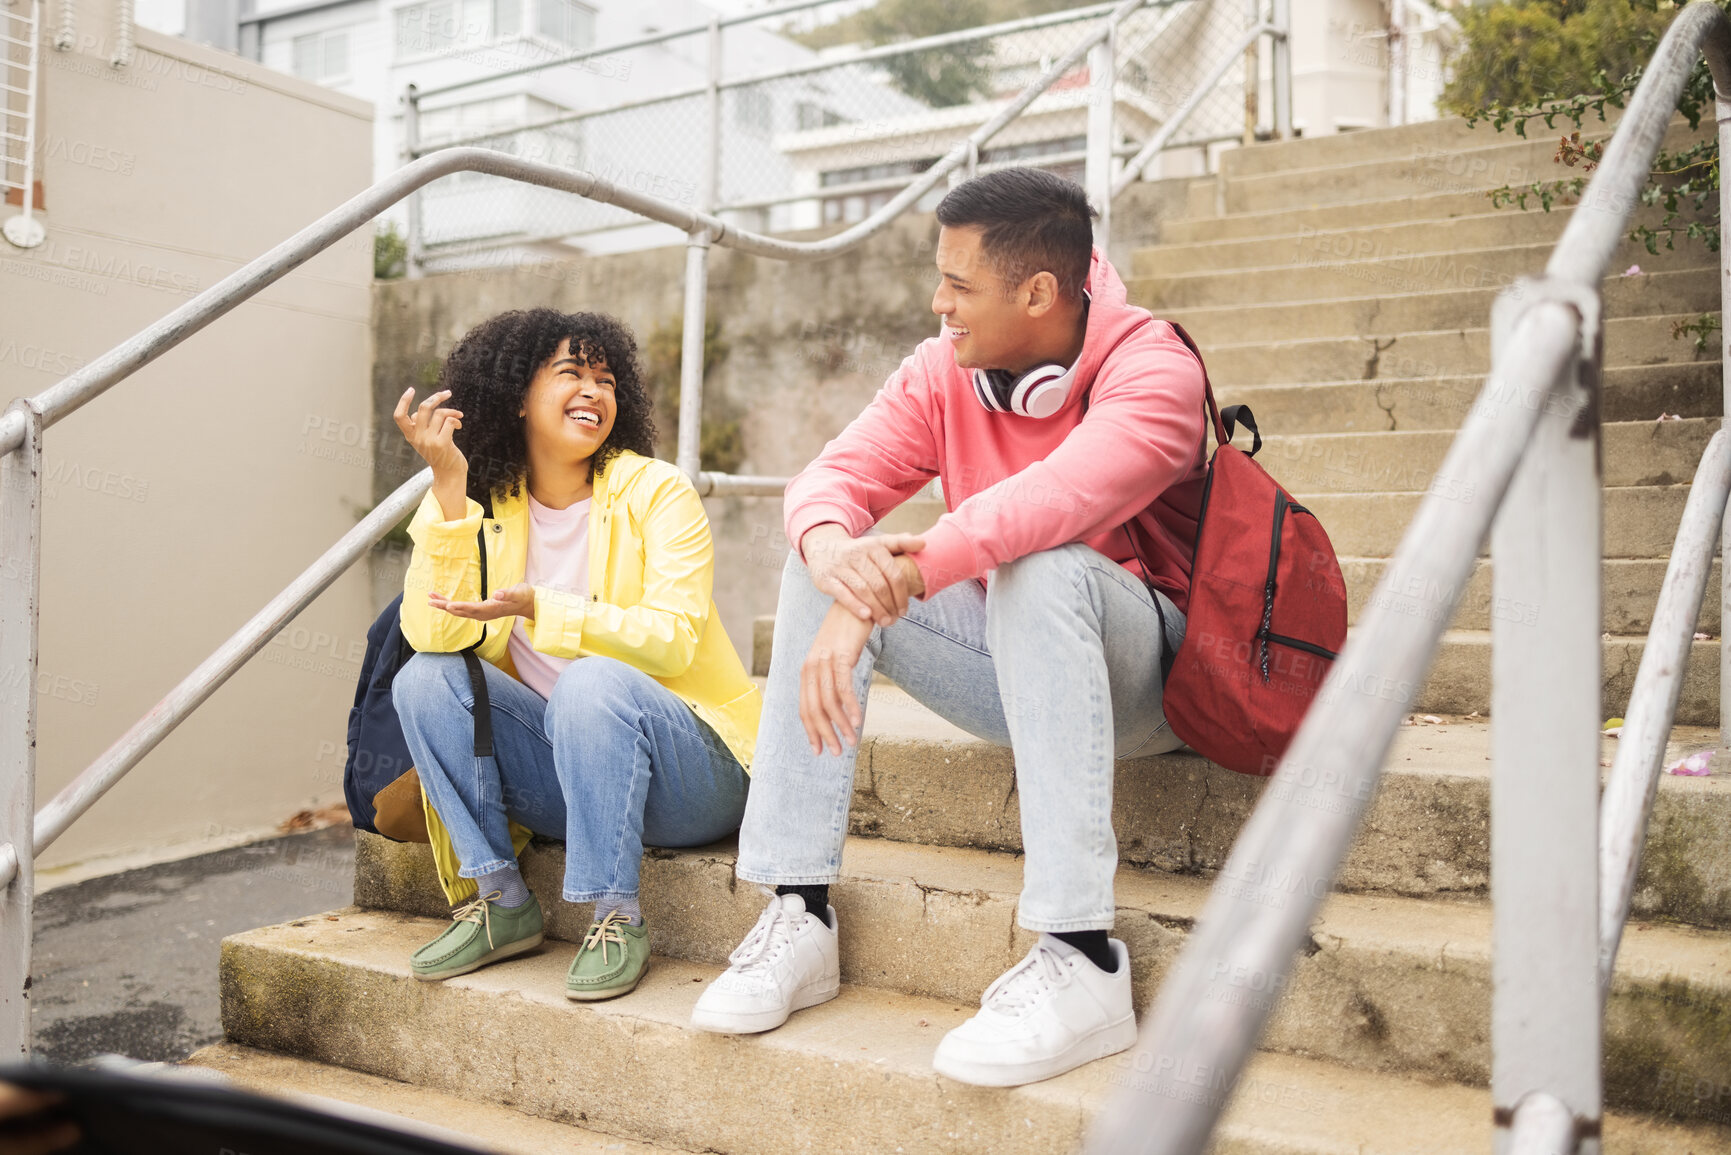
[[429, 430]]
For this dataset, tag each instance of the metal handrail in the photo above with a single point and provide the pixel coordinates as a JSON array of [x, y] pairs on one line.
[[145, 734], [1540, 390], [1634, 780]]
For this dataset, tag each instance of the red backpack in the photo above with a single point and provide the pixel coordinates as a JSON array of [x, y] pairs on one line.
[[1267, 609]]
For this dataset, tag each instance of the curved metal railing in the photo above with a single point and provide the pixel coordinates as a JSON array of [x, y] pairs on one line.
[[1525, 470]]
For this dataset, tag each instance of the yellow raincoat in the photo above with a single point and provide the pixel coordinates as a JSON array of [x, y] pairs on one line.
[[651, 570]]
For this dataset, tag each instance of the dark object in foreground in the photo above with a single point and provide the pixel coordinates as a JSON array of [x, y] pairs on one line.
[[139, 1114]]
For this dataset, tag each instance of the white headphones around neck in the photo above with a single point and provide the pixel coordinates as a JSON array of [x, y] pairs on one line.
[[1039, 392]]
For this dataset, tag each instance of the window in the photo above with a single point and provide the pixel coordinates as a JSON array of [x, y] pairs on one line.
[[751, 110], [437, 25], [440, 125], [565, 22], [809, 115], [432, 27], [320, 56]]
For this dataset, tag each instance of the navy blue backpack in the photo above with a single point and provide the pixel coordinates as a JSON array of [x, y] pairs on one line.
[[378, 752]]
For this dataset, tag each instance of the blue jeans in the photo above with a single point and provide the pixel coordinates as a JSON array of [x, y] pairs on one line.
[[613, 760], [1057, 658]]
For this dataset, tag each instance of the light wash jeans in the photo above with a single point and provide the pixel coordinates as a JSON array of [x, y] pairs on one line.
[[613, 760], [1058, 658]]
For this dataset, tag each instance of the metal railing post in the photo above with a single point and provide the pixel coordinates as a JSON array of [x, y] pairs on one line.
[[20, 563], [1281, 58], [412, 151], [690, 452], [1252, 73], [1547, 556], [1722, 110], [1097, 171], [1397, 62]]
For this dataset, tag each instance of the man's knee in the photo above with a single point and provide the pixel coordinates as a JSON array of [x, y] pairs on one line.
[[1046, 574], [425, 682]]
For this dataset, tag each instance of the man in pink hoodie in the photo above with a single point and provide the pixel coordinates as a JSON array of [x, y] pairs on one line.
[[1066, 429]]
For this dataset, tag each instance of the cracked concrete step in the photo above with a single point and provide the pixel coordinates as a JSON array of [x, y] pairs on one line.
[[922, 780], [1305, 268], [1204, 226], [1404, 173], [1629, 342], [858, 1067], [1640, 520], [1388, 984], [1459, 681], [1450, 135], [482, 1125], [1636, 453], [1390, 403], [1691, 291], [1459, 678], [1358, 240], [1630, 591]]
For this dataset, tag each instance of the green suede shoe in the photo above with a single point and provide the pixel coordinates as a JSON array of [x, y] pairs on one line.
[[481, 932], [613, 957]]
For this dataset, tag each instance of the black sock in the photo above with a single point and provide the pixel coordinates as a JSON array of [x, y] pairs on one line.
[[816, 899], [1093, 944]]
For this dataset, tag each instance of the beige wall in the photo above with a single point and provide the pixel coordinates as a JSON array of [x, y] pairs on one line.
[[179, 503]]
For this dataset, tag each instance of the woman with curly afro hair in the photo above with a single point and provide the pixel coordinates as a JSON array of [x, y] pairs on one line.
[[577, 568]]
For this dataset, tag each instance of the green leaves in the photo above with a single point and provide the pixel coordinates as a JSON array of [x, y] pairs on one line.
[[1684, 184]]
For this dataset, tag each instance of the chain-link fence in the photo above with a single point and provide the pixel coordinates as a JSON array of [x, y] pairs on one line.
[[809, 135]]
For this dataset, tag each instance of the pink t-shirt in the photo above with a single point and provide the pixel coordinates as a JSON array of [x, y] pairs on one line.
[[558, 560]]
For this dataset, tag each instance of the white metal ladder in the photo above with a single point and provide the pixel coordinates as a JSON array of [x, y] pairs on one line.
[[20, 50]]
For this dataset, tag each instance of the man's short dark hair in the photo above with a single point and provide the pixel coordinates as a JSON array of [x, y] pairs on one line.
[[1030, 221]]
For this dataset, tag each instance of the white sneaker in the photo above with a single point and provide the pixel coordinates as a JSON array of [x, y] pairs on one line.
[[787, 963], [1051, 1012]]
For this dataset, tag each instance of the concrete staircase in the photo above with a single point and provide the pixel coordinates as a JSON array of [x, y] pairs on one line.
[[1381, 1040]]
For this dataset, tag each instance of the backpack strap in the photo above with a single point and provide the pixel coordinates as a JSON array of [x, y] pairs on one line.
[[472, 660], [1225, 421]]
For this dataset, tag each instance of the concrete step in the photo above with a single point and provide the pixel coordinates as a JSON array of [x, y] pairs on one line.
[[1364, 166], [1308, 268], [1640, 521], [1400, 986], [1370, 312], [1636, 453], [1451, 136], [922, 780], [483, 1125], [1629, 342], [1358, 241], [859, 1067], [1460, 679], [1205, 225], [1495, 161], [1630, 590], [1631, 394], [1460, 676]]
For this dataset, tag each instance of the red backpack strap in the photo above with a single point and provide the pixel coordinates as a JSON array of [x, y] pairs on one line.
[[1225, 421]]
